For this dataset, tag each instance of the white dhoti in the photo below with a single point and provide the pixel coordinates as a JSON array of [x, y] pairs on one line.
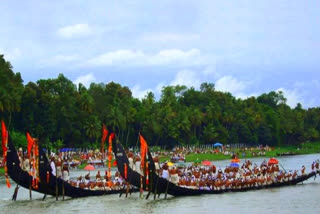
[[59, 171], [131, 164], [137, 167], [65, 175], [174, 178], [156, 165]]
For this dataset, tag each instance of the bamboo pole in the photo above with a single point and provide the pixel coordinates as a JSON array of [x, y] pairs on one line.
[[30, 194], [165, 196], [63, 190]]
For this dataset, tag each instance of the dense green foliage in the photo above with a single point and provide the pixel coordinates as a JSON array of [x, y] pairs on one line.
[[60, 113]]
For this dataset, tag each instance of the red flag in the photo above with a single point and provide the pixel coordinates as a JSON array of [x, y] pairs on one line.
[[4, 136], [144, 148], [104, 137], [48, 177], [111, 136], [30, 142], [125, 171], [8, 183]]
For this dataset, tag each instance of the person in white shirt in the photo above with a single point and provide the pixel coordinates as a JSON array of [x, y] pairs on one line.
[[53, 166], [165, 172]]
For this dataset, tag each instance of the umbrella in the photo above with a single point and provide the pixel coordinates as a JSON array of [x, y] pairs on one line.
[[170, 164], [181, 165], [235, 160], [234, 165], [206, 163], [273, 161], [89, 167], [217, 144]]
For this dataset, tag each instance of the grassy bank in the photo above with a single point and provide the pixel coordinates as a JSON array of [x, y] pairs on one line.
[[306, 148]]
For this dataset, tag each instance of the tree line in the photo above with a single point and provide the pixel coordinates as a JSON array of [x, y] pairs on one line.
[[62, 114]]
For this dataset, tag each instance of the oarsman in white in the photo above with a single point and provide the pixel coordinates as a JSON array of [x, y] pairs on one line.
[[53, 166]]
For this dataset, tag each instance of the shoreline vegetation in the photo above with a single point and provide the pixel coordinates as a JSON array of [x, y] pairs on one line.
[[61, 114], [303, 149]]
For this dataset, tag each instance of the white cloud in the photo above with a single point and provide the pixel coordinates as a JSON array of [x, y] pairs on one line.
[[59, 60], [137, 92], [188, 78], [293, 97], [243, 95], [169, 37], [74, 31], [129, 57], [230, 84], [85, 79], [159, 87], [11, 54]]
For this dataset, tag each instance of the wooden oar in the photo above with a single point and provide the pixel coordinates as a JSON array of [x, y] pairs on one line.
[[156, 188], [283, 168], [63, 190], [15, 194], [150, 184], [56, 185], [30, 194], [141, 187], [165, 196]]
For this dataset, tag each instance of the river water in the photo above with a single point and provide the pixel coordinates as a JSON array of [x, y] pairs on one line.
[[302, 198]]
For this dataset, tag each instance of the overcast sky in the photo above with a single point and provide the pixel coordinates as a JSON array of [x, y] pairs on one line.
[[244, 47]]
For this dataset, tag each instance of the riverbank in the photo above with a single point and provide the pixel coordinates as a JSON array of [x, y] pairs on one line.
[[306, 148]]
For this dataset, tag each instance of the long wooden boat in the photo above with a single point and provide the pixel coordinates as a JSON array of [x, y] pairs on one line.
[[160, 185], [49, 184], [20, 176]]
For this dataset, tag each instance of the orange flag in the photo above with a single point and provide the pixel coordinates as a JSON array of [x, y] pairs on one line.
[[104, 137], [144, 148], [111, 136], [30, 142], [4, 134]]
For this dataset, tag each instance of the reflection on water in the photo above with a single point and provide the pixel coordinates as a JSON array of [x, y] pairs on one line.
[[302, 198]]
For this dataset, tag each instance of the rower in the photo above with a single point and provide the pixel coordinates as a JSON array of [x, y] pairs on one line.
[[26, 164], [65, 172], [165, 172], [53, 166], [98, 176], [156, 163], [106, 175], [87, 176], [58, 167], [20, 155], [130, 158], [317, 164], [303, 170], [138, 165]]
